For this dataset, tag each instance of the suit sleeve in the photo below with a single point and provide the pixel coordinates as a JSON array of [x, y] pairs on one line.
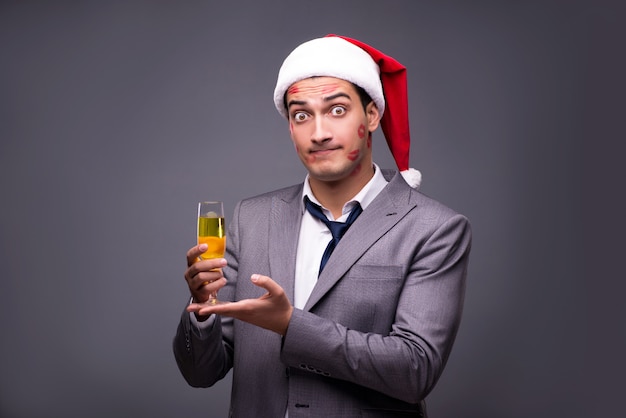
[[199, 352], [407, 362]]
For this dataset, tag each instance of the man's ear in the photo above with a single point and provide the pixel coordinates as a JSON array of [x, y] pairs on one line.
[[373, 116]]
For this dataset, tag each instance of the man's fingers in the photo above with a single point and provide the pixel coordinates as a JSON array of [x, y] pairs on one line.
[[210, 265], [194, 253], [211, 284], [205, 309], [266, 283]]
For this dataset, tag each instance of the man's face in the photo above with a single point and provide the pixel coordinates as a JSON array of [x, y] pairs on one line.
[[330, 129]]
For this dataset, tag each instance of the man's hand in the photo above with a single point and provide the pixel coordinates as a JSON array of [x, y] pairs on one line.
[[271, 311], [203, 276]]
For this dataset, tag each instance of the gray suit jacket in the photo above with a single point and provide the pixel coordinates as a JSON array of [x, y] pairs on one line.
[[377, 329]]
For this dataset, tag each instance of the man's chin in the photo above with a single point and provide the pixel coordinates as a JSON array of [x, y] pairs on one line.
[[329, 176]]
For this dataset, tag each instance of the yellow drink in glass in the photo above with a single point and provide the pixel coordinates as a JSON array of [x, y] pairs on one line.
[[211, 231]]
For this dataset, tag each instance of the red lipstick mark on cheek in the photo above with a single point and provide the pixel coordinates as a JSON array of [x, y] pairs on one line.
[[361, 131], [369, 141], [356, 170], [353, 155]]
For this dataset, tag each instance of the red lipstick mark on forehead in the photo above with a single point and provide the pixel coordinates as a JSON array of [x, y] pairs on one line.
[[353, 155], [328, 88], [293, 90], [361, 131]]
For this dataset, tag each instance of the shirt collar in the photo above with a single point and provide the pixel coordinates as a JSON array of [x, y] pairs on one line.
[[364, 197]]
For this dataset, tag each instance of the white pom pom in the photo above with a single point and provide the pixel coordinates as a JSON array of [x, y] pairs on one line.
[[413, 177]]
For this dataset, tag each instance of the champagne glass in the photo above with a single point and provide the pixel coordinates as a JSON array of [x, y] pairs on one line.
[[211, 231]]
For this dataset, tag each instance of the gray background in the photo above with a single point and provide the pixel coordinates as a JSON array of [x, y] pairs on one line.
[[117, 117]]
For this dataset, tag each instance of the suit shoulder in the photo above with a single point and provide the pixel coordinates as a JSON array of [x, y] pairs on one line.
[[430, 208], [287, 194]]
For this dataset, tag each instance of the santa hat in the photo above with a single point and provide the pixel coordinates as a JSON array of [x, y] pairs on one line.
[[381, 76]]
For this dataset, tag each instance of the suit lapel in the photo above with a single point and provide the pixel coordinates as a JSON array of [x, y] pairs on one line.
[[285, 219], [389, 207]]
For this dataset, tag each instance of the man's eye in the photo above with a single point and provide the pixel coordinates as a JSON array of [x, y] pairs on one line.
[[337, 110], [299, 116]]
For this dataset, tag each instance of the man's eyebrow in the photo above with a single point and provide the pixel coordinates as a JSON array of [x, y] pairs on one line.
[[326, 99], [336, 96], [295, 103]]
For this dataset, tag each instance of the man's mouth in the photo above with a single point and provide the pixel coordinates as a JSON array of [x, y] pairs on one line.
[[322, 151]]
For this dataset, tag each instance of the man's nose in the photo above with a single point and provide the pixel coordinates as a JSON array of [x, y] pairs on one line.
[[321, 132]]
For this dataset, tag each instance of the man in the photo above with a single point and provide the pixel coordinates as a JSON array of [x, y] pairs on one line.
[[360, 326]]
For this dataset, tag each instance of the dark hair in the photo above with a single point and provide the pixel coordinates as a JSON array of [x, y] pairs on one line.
[[363, 96]]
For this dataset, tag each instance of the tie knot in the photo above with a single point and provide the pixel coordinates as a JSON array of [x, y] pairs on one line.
[[337, 229]]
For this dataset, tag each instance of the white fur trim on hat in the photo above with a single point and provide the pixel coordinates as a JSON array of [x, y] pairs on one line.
[[330, 57], [413, 177]]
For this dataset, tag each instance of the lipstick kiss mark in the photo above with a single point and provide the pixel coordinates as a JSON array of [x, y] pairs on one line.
[[361, 131], [356, 170], [327, 89], [353, 155]]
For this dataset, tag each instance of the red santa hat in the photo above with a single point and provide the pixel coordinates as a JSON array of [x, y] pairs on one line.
[[381, 76]]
